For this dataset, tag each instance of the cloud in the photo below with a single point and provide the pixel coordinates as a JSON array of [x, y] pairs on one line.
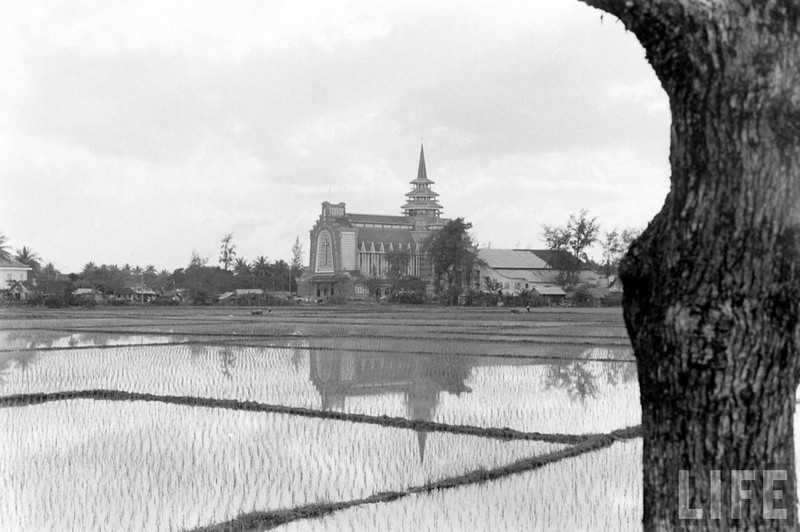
[[148, 129]]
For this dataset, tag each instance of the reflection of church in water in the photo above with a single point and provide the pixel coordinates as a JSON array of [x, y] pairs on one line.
[[420, 380], [348, 250]]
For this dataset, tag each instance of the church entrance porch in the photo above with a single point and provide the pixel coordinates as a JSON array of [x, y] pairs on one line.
[[324, 290], [339, 286]]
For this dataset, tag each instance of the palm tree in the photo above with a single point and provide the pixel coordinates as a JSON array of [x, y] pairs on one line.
[[4, 247], [51, 272], [28, 257], [241, 267], [89, 268], [149, 276], [261, 269], [243, 273]]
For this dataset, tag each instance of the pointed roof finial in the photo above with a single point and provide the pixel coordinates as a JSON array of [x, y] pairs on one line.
[[422, 173]]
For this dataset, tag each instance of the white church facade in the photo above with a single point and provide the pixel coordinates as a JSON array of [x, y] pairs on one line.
[[350, 253]]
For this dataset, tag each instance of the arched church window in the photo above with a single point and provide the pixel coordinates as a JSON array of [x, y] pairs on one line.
[[324, 252]]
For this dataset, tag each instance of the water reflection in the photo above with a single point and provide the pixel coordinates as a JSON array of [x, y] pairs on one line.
[[362, 375], [574, 378], [197, 349], [424, 380], [419, 379], [620, 373], [50, 339], [580, 379], [21, 360], [15, 342], [227, 361], [21, 347]]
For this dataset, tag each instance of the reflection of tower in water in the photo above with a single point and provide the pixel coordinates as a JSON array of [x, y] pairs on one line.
[[420, 380]]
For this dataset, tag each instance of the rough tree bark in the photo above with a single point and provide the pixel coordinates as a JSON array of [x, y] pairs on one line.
[[711, 297]]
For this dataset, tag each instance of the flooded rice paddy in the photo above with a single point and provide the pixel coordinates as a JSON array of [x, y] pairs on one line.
[[355, 418]]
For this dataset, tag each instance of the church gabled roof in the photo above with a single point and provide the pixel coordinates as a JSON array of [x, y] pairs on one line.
[[377, 219], [385, 236]]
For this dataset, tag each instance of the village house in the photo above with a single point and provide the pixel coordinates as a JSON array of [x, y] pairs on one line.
[[242, 294], [138, 294], [20, 291], [86, 295], [513, 271], [13, 279], [12, 270]]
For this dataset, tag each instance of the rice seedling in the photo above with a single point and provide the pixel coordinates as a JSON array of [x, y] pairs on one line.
[[228, 414], [201, 465], [595, 491]]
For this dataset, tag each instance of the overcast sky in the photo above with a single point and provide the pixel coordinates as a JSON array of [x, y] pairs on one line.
[[137, 132]]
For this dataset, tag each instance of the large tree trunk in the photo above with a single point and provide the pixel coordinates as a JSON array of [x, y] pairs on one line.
[[711, 287]]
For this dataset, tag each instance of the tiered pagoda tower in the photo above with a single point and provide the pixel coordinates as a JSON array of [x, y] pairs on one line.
[[422, 199]]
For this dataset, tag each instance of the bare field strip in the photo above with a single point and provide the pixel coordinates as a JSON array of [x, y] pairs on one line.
[[487, 323], [348, 314], [594, 325], [277, 327]]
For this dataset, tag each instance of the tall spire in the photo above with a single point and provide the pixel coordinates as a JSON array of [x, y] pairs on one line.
[[422, 173], [422, 200]]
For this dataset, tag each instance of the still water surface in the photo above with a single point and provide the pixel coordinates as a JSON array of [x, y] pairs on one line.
[[84, 464]]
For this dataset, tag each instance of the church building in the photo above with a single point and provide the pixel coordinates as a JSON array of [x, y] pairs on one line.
[[349, 253]]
